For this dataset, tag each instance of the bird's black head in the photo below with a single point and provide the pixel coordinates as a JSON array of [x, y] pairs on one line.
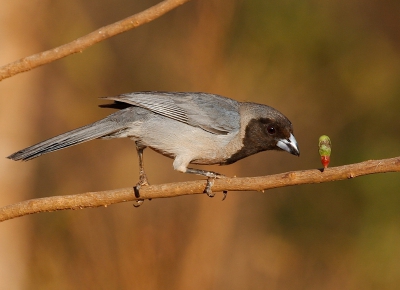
[[273, 131]]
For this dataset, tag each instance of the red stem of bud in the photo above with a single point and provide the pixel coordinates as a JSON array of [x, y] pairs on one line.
[[325, 161]]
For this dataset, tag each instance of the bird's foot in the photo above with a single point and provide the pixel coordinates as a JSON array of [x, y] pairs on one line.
[[210, 182], [142, 182]]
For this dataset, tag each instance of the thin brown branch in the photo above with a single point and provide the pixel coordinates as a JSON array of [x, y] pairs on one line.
[[105, 198], [78, 45]]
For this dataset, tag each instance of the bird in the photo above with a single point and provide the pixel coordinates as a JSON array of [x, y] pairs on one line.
[[189, 127]]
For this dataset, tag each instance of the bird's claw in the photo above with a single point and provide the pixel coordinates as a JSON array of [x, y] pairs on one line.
[[210, 182], [138, 202], [136, 188], [225, 192]]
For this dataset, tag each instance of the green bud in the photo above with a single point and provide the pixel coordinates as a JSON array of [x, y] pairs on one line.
[[324, 145]]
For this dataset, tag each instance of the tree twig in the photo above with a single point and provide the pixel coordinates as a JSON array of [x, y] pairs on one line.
[[78, 45], [105, 198]]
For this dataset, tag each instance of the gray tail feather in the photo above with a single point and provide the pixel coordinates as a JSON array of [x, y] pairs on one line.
[[86, 133]]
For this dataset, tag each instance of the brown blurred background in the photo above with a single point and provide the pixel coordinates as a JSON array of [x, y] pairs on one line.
[[332, 67]]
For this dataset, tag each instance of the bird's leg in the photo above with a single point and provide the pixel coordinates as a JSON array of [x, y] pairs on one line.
[[142, 175], [210, 180]]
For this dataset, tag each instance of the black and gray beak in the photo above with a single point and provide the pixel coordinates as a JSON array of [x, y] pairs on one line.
[[289, 145]]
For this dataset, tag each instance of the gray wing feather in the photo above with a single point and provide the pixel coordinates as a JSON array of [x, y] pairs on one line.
[[212, 113], [162, 106]]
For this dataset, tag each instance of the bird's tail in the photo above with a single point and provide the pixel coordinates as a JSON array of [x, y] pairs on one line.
[[102, 128]]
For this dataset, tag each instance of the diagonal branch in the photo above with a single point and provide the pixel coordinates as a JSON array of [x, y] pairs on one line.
[[78, 45], [105, 198]]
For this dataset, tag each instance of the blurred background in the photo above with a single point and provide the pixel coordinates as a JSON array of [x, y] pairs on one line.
[[332, 67]]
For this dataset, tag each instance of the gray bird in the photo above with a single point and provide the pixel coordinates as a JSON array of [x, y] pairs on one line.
[[191, 128]]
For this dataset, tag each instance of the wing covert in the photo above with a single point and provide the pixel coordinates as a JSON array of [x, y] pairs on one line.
[[212, 113]]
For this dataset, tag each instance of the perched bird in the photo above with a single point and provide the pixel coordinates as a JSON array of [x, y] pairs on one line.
[[191, 128]]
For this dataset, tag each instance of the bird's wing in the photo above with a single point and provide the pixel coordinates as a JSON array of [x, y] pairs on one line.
[[212, 113]]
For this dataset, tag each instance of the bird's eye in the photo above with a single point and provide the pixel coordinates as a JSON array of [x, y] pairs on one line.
[[271, 130]]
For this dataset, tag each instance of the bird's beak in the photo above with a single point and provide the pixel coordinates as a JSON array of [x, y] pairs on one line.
[[289, 145]]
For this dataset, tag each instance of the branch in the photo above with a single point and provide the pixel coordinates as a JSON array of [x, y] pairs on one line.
[[105, 198], [78, 45]]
